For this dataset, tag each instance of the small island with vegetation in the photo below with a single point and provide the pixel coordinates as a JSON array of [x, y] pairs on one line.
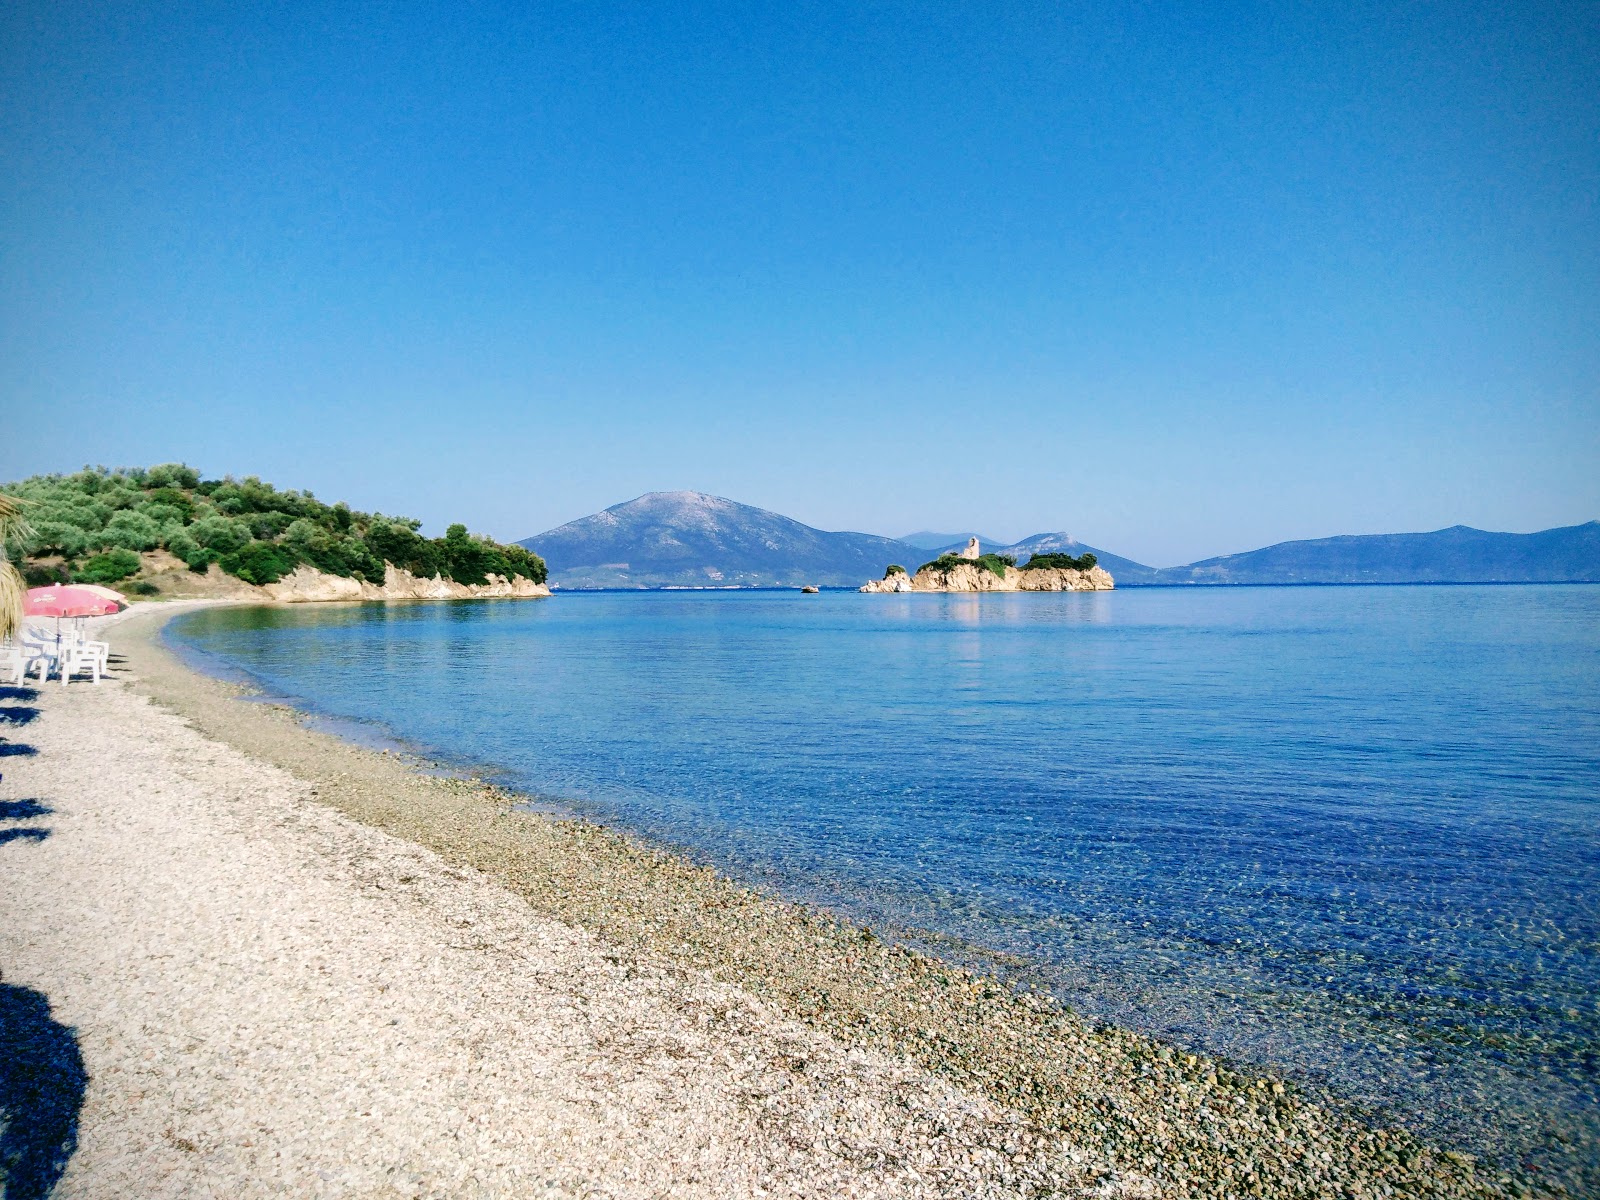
[[973, 571], [166, 531]]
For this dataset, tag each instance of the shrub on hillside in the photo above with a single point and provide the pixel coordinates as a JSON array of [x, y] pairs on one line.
[[38, 575], [232, 520], [166, 514], [220, 534], [471, 559], [132, 530], [186, 548], [171, 475], [328, 550], [396, 540], [108, 567], [260, 562], [57, 537], [169, 497]]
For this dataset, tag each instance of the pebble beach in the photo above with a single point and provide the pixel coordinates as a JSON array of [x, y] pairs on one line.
[[295, 966]]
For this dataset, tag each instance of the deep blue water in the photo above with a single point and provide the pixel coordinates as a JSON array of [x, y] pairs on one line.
[[1349, 833]]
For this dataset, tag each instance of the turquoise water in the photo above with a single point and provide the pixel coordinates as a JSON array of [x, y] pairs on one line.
[[1347, 833]]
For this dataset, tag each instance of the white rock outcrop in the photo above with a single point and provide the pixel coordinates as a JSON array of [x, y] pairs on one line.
[[892, 581], [307, 585], [973, 577], [1061, 579]]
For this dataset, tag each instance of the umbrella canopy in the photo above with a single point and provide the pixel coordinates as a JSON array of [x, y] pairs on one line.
[[108, 593], [68, 601]]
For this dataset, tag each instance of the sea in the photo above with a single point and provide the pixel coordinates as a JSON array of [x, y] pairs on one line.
[[1350, 835]]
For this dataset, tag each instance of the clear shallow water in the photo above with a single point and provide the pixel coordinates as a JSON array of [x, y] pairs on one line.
[[1350, 833]]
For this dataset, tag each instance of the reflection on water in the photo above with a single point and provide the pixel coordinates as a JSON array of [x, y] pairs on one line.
[[1348, 832]]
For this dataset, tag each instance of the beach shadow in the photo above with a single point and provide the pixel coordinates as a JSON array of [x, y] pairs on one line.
[[42, 1081], [16, 714], [21, 810]]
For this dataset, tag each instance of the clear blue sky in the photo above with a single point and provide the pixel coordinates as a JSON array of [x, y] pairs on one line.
[[1180, 279]]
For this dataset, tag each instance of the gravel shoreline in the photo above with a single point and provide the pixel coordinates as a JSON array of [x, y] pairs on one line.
[[587, 1015]]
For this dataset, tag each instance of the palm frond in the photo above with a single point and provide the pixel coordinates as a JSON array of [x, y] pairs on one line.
[[13, 525], [12, 588], [12, 591]]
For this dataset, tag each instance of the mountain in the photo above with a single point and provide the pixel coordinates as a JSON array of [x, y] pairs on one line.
[[1456, 555], [689, 539], [928, 540]]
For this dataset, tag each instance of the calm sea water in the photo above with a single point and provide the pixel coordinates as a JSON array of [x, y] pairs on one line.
[[1349, 833]]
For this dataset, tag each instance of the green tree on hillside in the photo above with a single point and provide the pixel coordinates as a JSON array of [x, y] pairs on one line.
[[250, 528]]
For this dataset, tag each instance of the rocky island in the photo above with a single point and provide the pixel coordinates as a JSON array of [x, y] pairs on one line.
[[971, 570]]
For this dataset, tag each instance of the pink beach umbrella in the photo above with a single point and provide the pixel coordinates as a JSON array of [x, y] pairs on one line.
[[108, 593], [74, 600]]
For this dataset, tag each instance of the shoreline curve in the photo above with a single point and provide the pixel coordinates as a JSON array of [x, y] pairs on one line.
[[1128, 1106]]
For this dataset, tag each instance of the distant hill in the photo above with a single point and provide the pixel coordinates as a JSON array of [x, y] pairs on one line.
[[1455, 555], [928, 540], [689, 539]]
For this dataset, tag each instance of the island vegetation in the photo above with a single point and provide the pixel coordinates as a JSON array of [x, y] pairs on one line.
[[1060, 562], [92, 526], [994, 563]]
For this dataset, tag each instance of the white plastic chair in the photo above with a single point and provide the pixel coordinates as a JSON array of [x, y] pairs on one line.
[[13, 663], [39, 651], [102, 650], [82, 657]]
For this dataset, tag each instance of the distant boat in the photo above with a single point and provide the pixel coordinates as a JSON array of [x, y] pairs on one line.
[[810, 589]]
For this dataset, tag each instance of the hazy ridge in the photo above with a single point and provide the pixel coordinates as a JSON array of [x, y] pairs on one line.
[[690, 539]]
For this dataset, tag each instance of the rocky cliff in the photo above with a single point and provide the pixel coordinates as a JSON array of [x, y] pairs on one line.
[[975, 577], [1095, 579], [306, 585]]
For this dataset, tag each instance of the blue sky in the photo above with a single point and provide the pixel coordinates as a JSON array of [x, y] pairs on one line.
[[1179, 279]]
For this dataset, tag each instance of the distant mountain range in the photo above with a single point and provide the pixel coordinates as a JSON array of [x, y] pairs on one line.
[[1455, 555], [689, 539]]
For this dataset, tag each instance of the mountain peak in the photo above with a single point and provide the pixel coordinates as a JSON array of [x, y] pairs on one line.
[[656, 499], [688, 538]]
